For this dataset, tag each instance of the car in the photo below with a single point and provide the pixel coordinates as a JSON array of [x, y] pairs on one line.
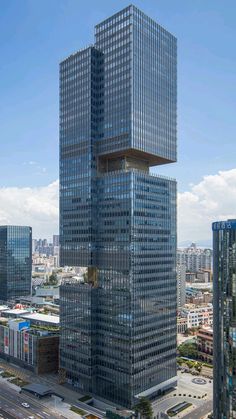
[[25, 405]]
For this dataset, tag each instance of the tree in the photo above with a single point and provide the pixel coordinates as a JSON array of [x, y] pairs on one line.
[[188, 350], [144, 408], [52, 280]]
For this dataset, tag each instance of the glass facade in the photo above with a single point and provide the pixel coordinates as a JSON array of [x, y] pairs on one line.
[[118, 118], [77, 339], [15, 261], [140, 88], [224, 350]]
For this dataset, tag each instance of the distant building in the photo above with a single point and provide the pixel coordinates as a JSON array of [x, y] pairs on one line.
[[39, 319], [181, 284], [14, 313], [15, 262], [224, 284], [195, 296], [182, 325], [205, 344], [195, 258], [45, 243], [45, 294], [34, 245], [42, 247], [190, 276], [197, 315], [204, 275], [55, 240]]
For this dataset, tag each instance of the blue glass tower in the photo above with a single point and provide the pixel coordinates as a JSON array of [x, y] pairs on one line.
[[15, 262], [118, 118]]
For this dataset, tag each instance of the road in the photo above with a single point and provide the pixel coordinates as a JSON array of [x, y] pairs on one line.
[[10, 403], [5, 415], [200, 411]]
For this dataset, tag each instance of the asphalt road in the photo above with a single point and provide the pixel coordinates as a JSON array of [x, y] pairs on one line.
[[5, 415], [200, 411], [10, 403]]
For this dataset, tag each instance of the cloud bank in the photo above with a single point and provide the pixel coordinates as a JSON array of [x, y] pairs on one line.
[[36, 207], [214, 198]]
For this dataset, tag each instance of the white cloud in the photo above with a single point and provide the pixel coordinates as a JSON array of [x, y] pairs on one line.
[[214, 198], [36, 207]]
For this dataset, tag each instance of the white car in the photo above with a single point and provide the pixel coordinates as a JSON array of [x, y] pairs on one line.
[[25, 405]]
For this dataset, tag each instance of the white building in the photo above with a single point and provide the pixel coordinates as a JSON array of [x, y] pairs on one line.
[[197, 315]]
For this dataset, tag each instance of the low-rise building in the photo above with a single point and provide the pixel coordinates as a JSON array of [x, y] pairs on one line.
[[205, 344], [39, 319], [45, 294], [197, 315], [204, 275], [181, 324], [194, 296], [190, 277], [3, 308], [14, 313], [28, 346]]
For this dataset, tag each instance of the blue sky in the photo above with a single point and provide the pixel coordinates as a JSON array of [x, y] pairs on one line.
[[36, 35]]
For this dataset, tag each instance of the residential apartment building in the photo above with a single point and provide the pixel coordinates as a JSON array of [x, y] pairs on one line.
[[196, 259]]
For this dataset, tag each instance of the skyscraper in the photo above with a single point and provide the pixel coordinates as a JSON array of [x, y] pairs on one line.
[[15, 261], [224, 325], [56, 240], [117, 119]]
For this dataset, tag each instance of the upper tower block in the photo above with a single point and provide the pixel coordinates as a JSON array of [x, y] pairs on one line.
[[140, 88]]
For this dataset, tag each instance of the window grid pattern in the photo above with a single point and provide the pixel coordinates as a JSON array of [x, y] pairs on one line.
[[118, 117], [224, 309], [15, 261], [80, 84]]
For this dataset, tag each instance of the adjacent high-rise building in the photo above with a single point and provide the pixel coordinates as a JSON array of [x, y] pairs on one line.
[[15, 262], [117, 119], [224, 325]]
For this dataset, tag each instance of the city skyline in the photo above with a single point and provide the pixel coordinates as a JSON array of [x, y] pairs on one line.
[[28, 185]]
